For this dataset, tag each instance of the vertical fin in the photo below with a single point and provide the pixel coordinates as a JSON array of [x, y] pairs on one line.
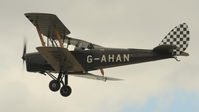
[[179, 37]]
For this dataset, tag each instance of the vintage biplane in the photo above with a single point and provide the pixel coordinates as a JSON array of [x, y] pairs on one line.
[[53, 55]]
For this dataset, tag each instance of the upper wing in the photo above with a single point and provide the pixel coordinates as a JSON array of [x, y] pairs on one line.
[[96, 77], [47, 23], [60, 58]]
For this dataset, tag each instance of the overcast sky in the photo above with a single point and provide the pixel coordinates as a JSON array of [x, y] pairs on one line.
[[161, 86]]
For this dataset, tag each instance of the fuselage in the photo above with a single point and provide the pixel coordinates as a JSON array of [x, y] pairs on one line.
[[98, 58], [106, 58]]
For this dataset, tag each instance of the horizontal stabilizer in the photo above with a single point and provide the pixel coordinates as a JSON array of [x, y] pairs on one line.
[[164, 49], [96, 77], [184, 54]]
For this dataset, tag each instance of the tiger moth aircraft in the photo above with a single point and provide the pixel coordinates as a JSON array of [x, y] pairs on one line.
[[54, 57]]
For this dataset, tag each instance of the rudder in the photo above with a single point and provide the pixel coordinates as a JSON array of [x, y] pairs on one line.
[[178, 37]]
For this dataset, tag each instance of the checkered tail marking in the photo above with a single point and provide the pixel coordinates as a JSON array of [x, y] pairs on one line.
[[179, 37]]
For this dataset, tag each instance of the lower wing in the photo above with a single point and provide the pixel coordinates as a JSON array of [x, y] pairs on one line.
[[96, 77]]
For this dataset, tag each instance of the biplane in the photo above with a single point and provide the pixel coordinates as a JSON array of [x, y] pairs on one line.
[[54, 57]]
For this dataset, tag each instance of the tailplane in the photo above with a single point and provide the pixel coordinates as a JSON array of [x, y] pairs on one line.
[[176, 41]]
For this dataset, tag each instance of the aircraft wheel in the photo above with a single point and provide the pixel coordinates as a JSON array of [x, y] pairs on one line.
[[65, 90], [54, 85]]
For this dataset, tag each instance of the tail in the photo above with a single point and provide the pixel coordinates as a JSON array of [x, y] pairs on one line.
[[175, 42]]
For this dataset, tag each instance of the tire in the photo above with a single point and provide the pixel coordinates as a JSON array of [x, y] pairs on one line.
[[54, 85], [65, 91]]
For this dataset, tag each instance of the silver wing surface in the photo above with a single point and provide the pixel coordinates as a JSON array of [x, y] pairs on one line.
[[60, 58], [96, 77]]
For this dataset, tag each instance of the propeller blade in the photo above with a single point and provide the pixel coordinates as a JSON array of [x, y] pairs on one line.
[[24, 50]]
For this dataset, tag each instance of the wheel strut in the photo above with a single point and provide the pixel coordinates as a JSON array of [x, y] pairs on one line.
[[59, 76], [66, 79]]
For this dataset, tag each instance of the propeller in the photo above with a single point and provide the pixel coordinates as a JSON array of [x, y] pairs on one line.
[[24, 51]]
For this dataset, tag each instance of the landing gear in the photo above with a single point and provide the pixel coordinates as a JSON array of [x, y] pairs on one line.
[[65, 89], [55, 84]]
